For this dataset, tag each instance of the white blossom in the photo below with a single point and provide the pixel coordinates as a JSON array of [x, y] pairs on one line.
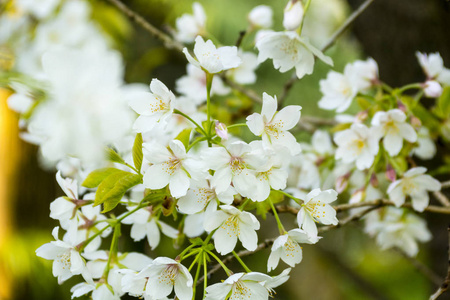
[[293, 14], [426, 148], [433, 66], [416, 184], [288, 50], [189, 26], [393, 127], [233, 224], [432, 89], [261, 16], [211, 59], [240, 286], [316, 208]]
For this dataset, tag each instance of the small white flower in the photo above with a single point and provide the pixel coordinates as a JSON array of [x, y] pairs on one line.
[[395, 227], [363, 73], [143, 224], [240, 286], [245, 72], [211, 59], [165, 274], [261, 16], [273, 126], [426, 148], [394, 129], [338, 91], [189, 26], [317, 209], [293, 14], [416, 185], [152, 107], [288, 249], [433, 66], [171, 166], [432, 89], [67, 261], [288, 50], [359, 144], [272, 176], [233, 224]]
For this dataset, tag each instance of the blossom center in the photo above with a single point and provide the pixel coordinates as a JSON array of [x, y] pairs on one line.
[[240, 289], [171, 165], [158, 105], [169, 274], [64, 260], [237, 165], [316, 209]]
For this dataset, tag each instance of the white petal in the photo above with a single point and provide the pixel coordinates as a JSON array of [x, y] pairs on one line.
[[156, 177], [255, 123]]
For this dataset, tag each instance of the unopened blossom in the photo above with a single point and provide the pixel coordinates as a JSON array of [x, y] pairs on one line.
[[153, 107], [261, 16], [273, 126], [170, 166], [394, 227], [415, 184], [286, 247], [233, 224], [146, 225], [63, 209], [432, 89], [221, 130], [394, 129], [193, 85], [358, 144], [200, 194], [288, 50], [293, 14], [164, 275], [67, 260], [240, 286], [426, 148], [236, 164], [211, 59], [317, 208], [433, 66], [189, 26]]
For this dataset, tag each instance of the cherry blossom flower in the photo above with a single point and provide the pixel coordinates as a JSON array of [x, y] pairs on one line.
[[165, 274], [273, 126], [432, 89], [433, 66], [240, 286], [245, 72], [189, 26], [261, 16], [211, 59], [338, 91], [171, 166], [394, 227], [153, 107], [67, 260], [293, 14], [289, 50], [426, 148], [317, 209], [394, 129], [416, 184], [232, 224], [359, 144], [288, 249]]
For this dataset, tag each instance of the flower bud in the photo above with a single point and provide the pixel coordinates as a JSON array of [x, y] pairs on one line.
[[261, 16], [432, 89], [374, 180], [293, 14], [342, 183], [402, 106], [221, 130], [358, 196], [415, 122], [390, 173], [362, 116]]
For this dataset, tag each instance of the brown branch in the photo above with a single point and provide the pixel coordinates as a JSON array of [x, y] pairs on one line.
[[444, 286], [288, 85], [242, 34], [441, 198], [168, 41], [445, 184], [343, 207]]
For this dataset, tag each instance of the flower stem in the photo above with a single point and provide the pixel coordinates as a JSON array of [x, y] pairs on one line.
[[112, 256], [241, 262], [199, 267], [308, 2], [220, 263], [237, 125], [280, 225], [205, 275], [290, 196], [176, 111]]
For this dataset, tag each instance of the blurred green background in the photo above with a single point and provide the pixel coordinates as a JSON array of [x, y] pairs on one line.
[[346, 264]]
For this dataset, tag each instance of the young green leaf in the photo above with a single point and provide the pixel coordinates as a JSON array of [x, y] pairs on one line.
[[97, 176], [184, 136], [137, 152], [113, 156]]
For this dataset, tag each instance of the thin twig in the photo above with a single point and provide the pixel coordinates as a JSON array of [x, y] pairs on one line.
[[441, 198], [445, 184], [343, 207], [138, 19], [242, 33], [288, 85], [444, 286], [421, 267]]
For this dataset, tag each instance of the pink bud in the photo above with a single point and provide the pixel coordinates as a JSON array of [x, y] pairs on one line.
[[221, 130], [358, 196], [342, 183], [374, 180], [401, 106], [432, 89], [415, 122], [390, 173], [361, 116]]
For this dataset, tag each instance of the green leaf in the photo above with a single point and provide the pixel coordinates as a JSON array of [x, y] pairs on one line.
[[184, 136], [112, 189], [443, 103], [137, 152], [363, 103], [113, 156], [97, 176]]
